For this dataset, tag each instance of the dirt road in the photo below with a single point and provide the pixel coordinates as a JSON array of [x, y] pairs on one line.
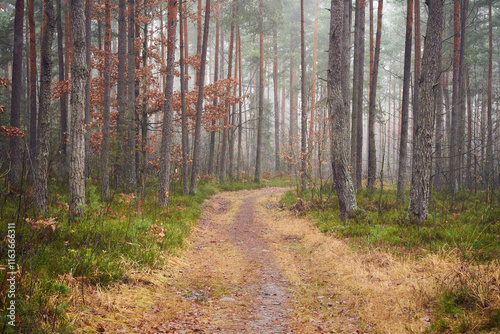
[[252, 267]]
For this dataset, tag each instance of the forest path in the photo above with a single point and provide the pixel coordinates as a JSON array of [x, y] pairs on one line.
[[252, 267]]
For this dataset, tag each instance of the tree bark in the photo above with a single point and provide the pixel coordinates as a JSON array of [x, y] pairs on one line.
[[211, 156], [372, 151], [88, 42], [361, 71], [63, 109], [455, 114], [489, 140], [131, 176], [121, 161], [403, 142], [422, 153], [80, 72], [17, 77], [313, 86], [43, 129], [339, 114], [164, 191], [303, 125], [33, 78], [199, 103], [276, 102], [260, 115], [185, 138], [107, 102]]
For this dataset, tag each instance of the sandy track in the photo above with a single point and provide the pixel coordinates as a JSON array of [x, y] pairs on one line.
[[252, 267]]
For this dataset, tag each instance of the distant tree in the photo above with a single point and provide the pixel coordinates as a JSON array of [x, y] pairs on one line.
[[121, 161], [33, 77], [63, 98], [422, 152], [276, 101], [260, 115]]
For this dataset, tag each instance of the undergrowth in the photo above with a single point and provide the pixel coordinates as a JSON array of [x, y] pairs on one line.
[[466, 224], [113, 239]]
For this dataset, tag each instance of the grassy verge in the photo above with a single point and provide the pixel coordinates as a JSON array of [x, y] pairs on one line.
[[466, 225], [111, 241]]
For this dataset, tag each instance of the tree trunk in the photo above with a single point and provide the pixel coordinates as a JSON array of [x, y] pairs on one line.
[[199, 103], [185, 138], [79, 72], [240, 106], [438, 169], [222, 167], [88, 42], [422, 152], [164, 191], [33, 78], [43, 129], [303, 125], [313, 86], [260, 116], [63, 98], [211, 156], [107, 102], [403, 141], [229, 114], [276, 102], [131, 177], [454, 142], [121, 161], [15, 104], [489, 142], [372, 151], [339, 114], [361, 71], [462, 93]]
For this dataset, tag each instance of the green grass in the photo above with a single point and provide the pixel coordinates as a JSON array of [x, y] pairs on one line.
[[112, 239], [464, 222]]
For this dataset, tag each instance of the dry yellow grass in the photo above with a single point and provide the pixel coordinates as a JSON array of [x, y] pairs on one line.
[[333, 288]]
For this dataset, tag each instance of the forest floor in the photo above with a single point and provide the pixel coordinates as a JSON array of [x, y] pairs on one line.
[[251, 266]]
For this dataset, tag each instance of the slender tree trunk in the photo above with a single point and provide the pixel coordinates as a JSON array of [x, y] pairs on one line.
[[63, 98], [403, 142], [339, 114], [131, 176], [489, 143], [88, 42], [121, 161], [185, 138], [164, 191], [461, 88], [144, 113], [361, 71], [454, 141], [418, 58], [211, 156], [469, 131], [260, 115], [355, 91], [276, 102], [313, 86], [438, 170], [372, 152], [107, 102], [222, 167], [199, 103], [15, 104], [43, 129], [33, 78], [80, 72], [303, 125], [422, 152], [240, 106], [229, 114]]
